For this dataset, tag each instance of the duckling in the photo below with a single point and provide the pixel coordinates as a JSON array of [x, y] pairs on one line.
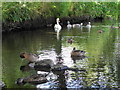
[[77, 53], [69, 25], [70, 40], [57, 26], [76, 25], [88, 25], [30, 57]]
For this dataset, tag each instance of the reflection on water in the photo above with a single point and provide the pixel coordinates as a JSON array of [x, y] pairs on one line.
[[101, 60]]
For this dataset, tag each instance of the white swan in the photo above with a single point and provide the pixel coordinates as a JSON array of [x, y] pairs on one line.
[[81, 24], [76, 25], [57, 26], [88, 25], [69, 25]]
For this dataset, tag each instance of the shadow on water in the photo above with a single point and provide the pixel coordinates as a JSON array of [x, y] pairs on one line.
[[101, 60]]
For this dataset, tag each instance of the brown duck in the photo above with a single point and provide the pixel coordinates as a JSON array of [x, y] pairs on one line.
[[77, 53], [30, 57]]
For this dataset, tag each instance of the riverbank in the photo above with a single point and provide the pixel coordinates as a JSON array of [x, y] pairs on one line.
[[41, 22], [36, 15]]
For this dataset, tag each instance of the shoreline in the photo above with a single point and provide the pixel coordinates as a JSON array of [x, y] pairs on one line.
[[41, 22]]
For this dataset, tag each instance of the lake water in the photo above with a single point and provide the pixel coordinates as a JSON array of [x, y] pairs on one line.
[[102, 61]]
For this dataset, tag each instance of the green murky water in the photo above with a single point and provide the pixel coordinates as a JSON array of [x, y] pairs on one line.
[[102, 62]]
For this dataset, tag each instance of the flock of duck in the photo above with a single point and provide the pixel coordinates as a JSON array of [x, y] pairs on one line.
[[58, 27], [78, 25], [44, 67], [47, 65], [35, 58]]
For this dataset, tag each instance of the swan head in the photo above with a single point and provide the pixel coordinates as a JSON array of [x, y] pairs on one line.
[[68, 22], [81, 24], [57, 19], [89, 23]]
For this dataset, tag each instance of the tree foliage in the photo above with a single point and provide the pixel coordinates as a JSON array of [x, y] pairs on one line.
[[22, 11]]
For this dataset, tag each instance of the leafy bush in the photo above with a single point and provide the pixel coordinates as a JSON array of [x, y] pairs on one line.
[[22, 11]]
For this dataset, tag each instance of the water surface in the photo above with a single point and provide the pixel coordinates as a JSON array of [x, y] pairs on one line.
[[102, 61]]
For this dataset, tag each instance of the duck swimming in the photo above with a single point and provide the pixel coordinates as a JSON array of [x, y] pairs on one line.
[[44, 65], [57, 26], [100, 31], [33, 79], [112, 26], [30, 57], [77, 53], [59, 60], [70, 40]]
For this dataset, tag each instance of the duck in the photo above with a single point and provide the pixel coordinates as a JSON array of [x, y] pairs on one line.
[[59, 60], [69, 25], [30, 57], [100, 31], [57, 26], [33, 79], [44, 65], [70, 40], [77, 53], [88, 25], [112, 26], [26, 68]]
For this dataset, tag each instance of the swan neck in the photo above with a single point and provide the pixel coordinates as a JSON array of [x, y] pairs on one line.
[[57, 21]]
